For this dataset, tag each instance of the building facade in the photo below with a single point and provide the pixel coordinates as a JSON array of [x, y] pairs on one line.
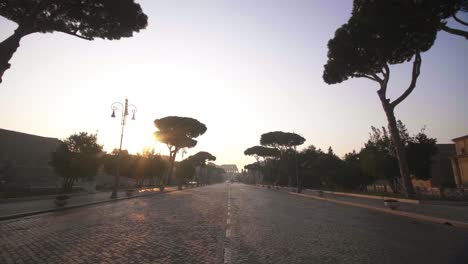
[[24, 161], [460, 162]]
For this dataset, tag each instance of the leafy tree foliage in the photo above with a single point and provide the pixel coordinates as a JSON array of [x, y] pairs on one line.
[[150, 167], [147, 168], [200, 159], [214, 174], [185, 172], [420, 150], [85, 19], [281, 140], [77, 157], [127, 163], [270, 158], [285, 143], [378, 157], [318, 169], [177, 133], [262, 152]]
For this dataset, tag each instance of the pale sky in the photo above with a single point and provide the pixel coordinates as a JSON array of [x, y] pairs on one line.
[[241, 67]]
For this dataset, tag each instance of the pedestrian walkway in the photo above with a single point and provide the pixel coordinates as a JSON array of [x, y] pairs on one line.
[[16, 208], [458, 213], [450, 212]]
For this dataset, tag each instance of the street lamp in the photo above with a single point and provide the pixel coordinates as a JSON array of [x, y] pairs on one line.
[[123, 108]]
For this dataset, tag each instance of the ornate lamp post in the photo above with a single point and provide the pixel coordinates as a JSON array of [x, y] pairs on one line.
[[123, 108]]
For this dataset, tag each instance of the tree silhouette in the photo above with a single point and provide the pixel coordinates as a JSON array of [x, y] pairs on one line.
[[281, 140], [85, 19], [253, 168], [269, 155], [440, 11], [200, 159], [380, 34], [177, 133], [284, 142], [78, 156], [261, 152], [185, 171], [378, 157]]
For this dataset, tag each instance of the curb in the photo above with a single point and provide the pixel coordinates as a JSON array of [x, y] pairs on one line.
[[420, 217], [20, 215], [403, 200]]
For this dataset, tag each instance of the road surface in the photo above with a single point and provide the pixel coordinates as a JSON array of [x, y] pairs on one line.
[[227, 223]]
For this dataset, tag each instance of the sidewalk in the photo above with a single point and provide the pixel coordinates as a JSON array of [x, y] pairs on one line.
[[15, 209], [458, 213], [451, 213]]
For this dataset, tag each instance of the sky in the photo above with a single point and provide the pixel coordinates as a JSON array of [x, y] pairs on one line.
[[241, 67]]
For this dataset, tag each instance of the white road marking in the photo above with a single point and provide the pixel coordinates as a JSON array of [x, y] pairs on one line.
[[227, 251]]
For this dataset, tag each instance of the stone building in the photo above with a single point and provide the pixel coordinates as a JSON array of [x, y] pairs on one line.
[[460, 162], [231, 170], [24, 161]]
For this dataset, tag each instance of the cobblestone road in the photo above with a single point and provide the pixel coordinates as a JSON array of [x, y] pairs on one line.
[[274, 227], [264, 226], [177, 227]]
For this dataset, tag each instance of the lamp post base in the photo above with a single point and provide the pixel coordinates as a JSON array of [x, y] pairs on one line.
[[113, 195]]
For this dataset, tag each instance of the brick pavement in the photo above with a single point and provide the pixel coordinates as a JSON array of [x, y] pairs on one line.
[[177, 227], [266, 226], [272, 226]]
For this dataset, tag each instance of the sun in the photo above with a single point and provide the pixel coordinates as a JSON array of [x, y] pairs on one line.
[[138, 139]]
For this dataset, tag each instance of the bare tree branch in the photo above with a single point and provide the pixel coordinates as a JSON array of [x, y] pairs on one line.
[[379, 79], [459, 20], [75, 35], [373, 78], [414, 78], [454, 31]]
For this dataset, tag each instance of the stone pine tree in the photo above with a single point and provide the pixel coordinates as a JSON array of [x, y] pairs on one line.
[[177, 133], [284, 142], [380, 34], [267, 154], [85, 19], [199, 160]]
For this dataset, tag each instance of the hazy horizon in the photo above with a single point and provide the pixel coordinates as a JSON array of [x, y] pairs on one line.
[[241, 68]]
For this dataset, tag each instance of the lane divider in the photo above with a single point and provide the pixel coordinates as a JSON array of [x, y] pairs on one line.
[[227, 250], [426, 218]]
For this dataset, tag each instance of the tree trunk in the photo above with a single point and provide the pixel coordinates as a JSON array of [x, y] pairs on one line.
[[399, 149], [8, 47], [169, 173], [68, 184], [65, 184], [299, 182]]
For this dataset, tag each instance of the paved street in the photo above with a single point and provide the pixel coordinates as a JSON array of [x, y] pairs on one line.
[[194, 226]]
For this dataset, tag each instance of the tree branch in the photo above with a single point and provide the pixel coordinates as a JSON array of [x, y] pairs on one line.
[[454, 31], [75, 35], [384, 83], [378, 78], [460, 21], [414, 78], [373, 78]]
